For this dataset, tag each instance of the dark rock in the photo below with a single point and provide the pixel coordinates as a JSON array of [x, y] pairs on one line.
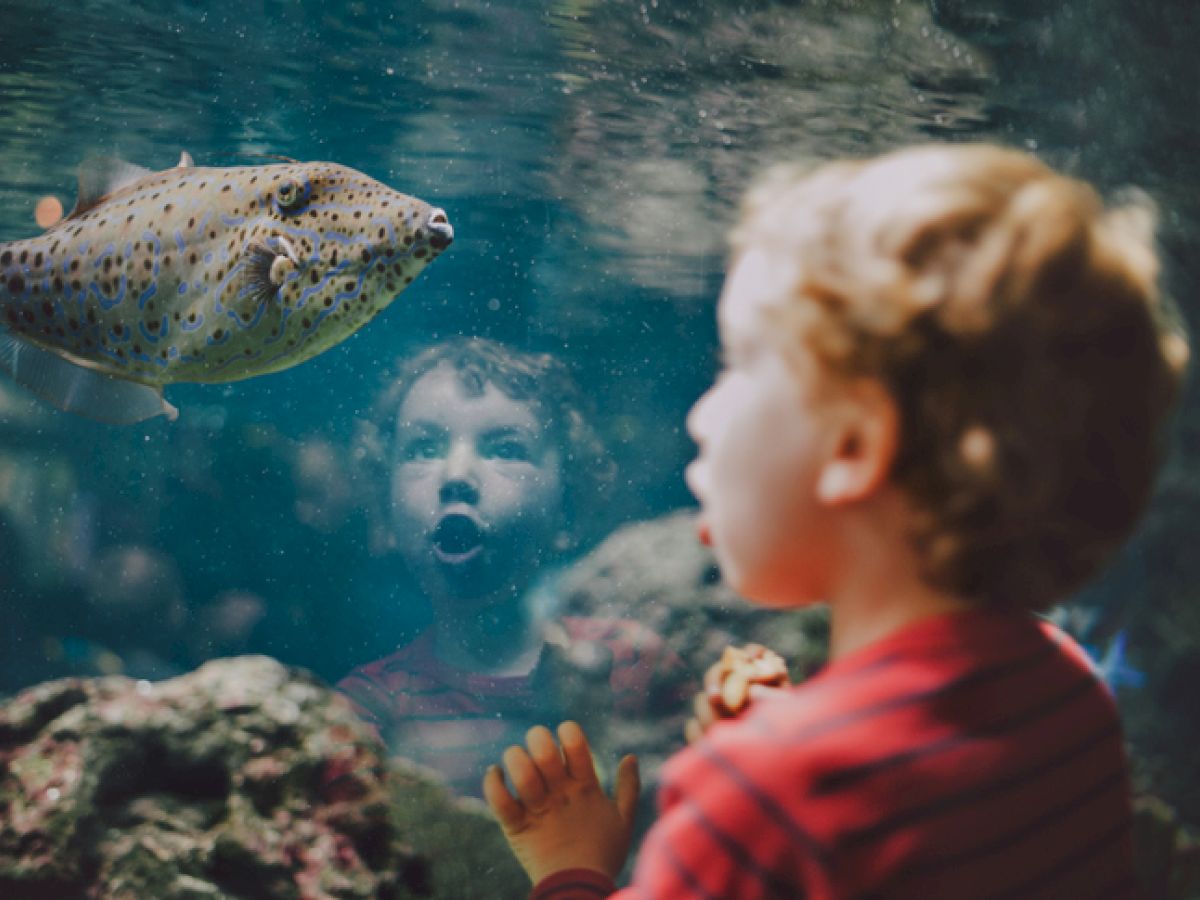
[[242, 779]]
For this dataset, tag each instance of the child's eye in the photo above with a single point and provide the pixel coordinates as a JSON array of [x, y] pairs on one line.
[[420, 448], [508, 449]]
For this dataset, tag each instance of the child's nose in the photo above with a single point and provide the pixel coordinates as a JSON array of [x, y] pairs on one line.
[[459, 481], [697, 417]]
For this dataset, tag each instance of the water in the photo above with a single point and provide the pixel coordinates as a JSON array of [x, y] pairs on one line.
[[589, 155]]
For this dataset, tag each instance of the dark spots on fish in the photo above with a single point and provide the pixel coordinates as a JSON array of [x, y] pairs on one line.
[[167, 207], [191, 317], [166, 260], [225, 189], [58, 284], [129, 218], [54, 248], [76, 284], [382, 233], [254, 179], [314, 276], [348, 287], [334, 259], [74, 265], [391, 285], [366, 256], [91, 316], [24, 256], [212, 235], [306, 322], [107, 263], [6, 258], [192, 222], [147, 264], [218, 334], [163, 354], [398, 268], [137, 348], [408, 239], [193, 258], [408, 280], [16, 284], [249, 352], [47, 309], [118, 329], [153, 326], [358, 214], [419, 253], [37, 260], [328, 302]]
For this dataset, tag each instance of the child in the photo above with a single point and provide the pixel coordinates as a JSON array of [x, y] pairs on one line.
[[489, 467], [946, 374]]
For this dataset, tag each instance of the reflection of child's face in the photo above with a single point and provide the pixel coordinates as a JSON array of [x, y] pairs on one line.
[[476, 488]]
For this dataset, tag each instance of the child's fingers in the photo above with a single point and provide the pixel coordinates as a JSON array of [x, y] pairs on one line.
[[629, 785], [526, 778], [702, 708], [543, 749], [504, 805], [692, 731], [577, 753]]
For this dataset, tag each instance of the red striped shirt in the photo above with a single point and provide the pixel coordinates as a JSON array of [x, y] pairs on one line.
[[971, 755], [458, 722]]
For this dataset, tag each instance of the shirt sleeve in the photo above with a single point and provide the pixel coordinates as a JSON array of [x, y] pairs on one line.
[[574, 884]]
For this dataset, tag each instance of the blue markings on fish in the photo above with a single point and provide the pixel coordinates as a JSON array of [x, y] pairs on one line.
[[202, 275]]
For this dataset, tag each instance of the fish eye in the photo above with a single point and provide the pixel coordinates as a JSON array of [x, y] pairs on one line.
[[288, 195]]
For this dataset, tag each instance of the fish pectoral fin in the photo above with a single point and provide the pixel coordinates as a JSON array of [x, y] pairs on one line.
[[185, 161], [269, 263], [101, 176], [76, 389]]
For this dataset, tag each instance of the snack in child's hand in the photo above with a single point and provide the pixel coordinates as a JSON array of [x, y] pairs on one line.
[[728, 685]]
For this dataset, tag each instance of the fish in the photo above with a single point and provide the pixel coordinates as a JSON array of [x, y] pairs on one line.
[[202, 275]]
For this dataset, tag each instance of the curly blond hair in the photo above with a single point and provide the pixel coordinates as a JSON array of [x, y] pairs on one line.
[[1018, 325]]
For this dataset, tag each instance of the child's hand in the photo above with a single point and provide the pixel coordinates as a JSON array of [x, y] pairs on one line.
[[741, 675], [561, 818]]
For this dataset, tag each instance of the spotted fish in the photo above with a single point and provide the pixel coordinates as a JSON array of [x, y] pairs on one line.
[[205, 275]]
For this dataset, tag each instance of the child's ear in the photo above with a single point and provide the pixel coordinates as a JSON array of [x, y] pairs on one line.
[[866, 434]]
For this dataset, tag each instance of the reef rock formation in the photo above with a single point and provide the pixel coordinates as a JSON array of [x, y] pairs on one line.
[[242, 779]]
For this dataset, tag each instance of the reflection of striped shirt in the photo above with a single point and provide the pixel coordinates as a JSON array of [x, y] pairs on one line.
[[458, 722], [972, 755]]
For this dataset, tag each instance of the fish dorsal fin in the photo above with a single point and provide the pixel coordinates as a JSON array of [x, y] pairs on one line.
[[101, 176], [185, 161]]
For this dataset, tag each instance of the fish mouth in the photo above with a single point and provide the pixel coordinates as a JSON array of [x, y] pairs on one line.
[[457, 538], [441, 232]]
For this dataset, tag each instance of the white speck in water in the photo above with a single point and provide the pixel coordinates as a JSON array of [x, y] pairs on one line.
[[390, 70], [493, 304], [52, 794], [1031, 144]]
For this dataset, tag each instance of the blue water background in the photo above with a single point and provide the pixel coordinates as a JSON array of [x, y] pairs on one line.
[[589, 155]]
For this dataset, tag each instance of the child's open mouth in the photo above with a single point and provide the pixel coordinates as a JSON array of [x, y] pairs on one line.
[[457, 539]]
